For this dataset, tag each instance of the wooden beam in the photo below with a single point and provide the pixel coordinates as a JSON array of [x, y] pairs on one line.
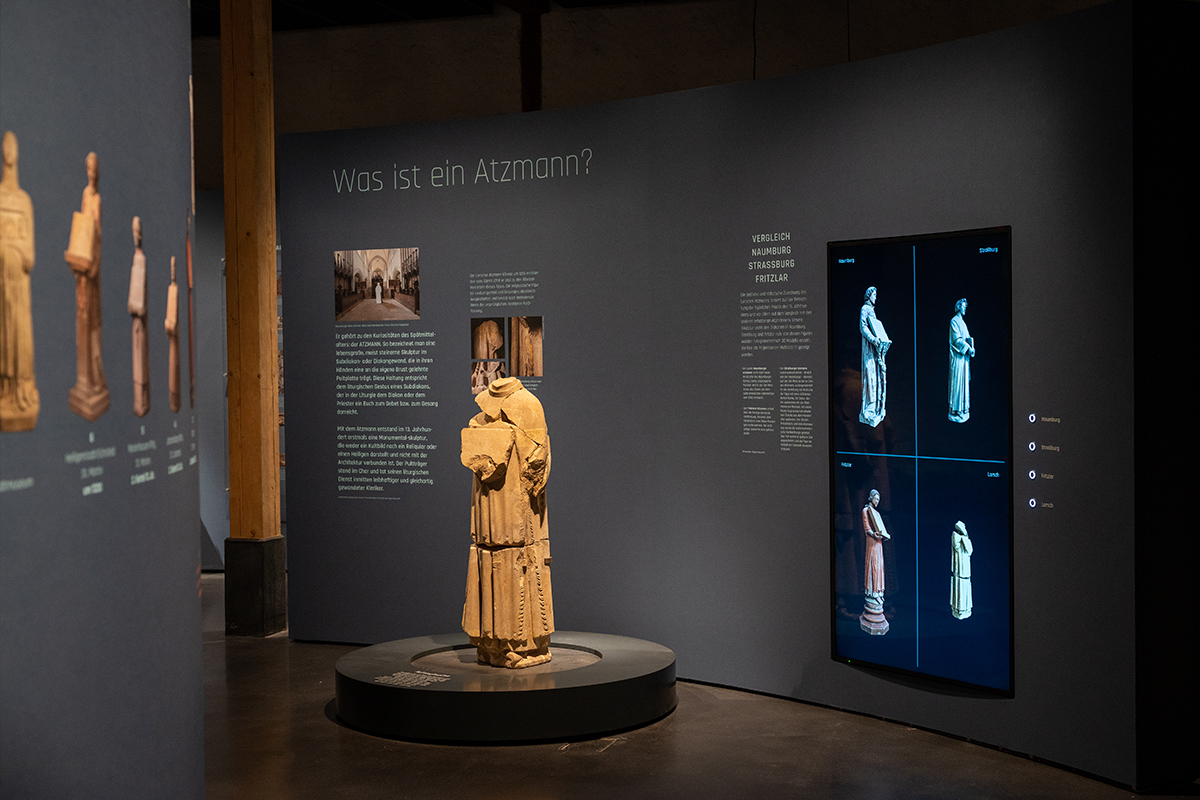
[[247, 111]]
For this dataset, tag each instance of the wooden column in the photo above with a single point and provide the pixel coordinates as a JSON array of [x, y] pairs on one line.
[[255, 589]]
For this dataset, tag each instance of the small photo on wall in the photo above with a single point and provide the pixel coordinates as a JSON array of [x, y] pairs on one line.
[[525, 346], [484, 372], [487, 338], [376, 285]]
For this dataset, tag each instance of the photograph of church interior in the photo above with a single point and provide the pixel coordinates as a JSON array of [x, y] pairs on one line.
[[646, 226]]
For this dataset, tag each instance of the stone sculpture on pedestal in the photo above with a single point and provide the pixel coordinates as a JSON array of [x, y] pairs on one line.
[[962, 350], [872, 619], [875, 344], [19, 401], [172, 326], [960, 572], [138, 300], [509, 612], [89, 397]]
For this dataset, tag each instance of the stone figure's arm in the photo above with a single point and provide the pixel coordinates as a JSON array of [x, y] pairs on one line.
[[867, 527], [958, 343], [864, 326], [483, 466], [535, 460], [967, 548]]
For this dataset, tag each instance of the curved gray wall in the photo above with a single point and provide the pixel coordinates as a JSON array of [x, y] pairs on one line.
[[662, 527], [100, 674]]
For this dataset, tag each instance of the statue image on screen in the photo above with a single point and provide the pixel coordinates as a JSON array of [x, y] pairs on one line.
[[89, 397], [960, 571], [962, 350], [875, 344], [509, 612], [171, 324], [872, 620], [19, 402], [138, 299]]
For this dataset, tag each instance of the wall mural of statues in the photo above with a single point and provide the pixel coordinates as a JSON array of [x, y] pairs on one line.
[[89, 397], [508, 613], [19, 401]]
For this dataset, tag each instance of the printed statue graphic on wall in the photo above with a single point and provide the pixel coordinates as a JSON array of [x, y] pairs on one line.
[[509, 612], [960, 571], [89, 397], [483, 373], [962, 350], [172, 327], [872, 620], [19, 402], [875, 344], [486, 339], [525, 343], [138, 299]]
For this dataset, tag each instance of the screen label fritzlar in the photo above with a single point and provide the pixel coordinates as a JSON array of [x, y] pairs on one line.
[[921, 454]]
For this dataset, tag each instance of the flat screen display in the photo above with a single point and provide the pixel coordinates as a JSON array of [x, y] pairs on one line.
[[921, 454]]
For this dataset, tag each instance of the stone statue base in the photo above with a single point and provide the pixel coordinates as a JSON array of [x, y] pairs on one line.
[[870, 419], [872, 620], [89, 403], [959, 416], [498, 654], [16, 419], [960, 614]]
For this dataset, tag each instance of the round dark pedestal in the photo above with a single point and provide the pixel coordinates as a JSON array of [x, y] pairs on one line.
[[431, 688]]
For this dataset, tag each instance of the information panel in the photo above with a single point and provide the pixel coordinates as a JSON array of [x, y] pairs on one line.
[[921, 454]]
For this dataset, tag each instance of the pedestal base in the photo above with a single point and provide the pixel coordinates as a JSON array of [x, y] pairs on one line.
[[255, 586], [12, 419], [872, 620], [88, 403], [431, 688]]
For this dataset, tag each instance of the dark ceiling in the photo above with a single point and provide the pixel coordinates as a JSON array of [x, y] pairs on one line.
[[291, 15]]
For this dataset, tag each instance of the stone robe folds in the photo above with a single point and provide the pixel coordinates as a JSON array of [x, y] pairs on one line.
[[509, 612], [961, 347], [960, 573], [875, 343]]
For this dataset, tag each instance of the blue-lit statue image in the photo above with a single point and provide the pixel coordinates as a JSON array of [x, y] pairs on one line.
[[875, 344], [960, 571], [962, 350]]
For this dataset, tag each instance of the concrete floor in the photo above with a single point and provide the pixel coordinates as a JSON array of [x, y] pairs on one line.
[[270, 733]]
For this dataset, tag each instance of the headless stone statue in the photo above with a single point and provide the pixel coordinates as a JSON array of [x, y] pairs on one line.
[[172, 326], [89, 397], [138, 299], [19, 401], [509, 611]]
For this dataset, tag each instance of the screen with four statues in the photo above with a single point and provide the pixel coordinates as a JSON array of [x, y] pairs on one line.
[[921, 454]]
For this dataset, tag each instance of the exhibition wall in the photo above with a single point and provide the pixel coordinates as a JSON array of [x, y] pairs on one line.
[[100, 652], [671, 252]]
